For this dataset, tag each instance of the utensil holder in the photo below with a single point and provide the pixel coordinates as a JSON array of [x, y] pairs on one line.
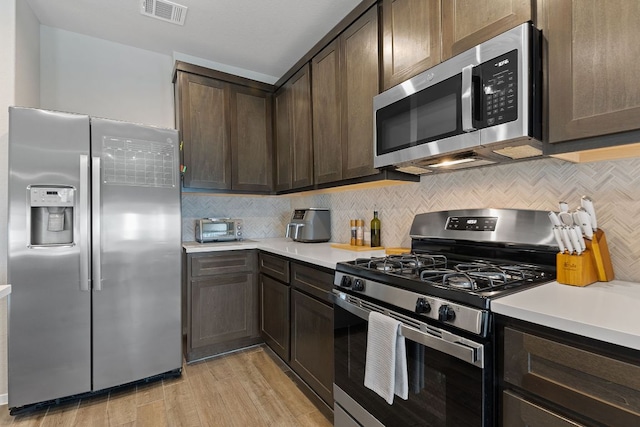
[[576, 270], [593, 265]]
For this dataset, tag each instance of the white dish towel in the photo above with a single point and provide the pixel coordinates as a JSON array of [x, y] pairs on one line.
[[386, 364]]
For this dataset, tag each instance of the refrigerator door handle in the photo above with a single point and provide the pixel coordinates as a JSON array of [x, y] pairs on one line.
[[97, 226], [84, 215]]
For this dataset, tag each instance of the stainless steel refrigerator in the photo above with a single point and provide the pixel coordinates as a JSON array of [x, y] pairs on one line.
[[93, 254]]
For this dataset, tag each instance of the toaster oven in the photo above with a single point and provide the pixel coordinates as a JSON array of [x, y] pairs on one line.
[[218, 230]]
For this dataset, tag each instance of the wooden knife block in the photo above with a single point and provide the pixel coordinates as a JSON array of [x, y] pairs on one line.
[[593, 265]]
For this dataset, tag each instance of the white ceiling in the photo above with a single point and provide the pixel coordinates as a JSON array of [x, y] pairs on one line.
[[261, 36]]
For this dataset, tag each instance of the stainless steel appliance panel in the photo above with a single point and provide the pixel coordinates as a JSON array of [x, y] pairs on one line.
[[136, 252], [49, 309]]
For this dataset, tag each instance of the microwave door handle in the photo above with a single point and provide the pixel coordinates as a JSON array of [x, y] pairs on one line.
[[466, 99]]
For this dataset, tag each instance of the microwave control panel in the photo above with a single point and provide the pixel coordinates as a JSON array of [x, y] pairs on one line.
[[499, 95]]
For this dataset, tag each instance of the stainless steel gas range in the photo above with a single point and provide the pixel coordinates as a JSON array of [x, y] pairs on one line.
[[441, 293]]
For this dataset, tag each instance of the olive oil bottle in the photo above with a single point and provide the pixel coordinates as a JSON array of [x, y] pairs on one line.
[[375, 230]]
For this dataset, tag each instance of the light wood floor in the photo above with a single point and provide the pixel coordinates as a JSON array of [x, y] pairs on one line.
[[246, 388]]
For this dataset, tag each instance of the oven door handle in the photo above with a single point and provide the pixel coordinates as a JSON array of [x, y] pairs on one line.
[[448, 343]]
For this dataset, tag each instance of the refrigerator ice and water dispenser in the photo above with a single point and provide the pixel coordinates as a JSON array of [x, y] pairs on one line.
[[51, 221]]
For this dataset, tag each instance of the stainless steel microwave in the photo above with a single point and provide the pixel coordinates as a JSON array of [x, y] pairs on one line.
[[218, 230], [478, 108]]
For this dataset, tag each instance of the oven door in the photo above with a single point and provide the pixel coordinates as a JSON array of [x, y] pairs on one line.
[[449, 384]]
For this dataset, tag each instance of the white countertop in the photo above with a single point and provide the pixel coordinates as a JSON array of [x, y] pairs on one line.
[[315, 253], [606, 311], [5, 290]]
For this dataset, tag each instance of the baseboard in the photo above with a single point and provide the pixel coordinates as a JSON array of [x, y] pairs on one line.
[[4, 399]]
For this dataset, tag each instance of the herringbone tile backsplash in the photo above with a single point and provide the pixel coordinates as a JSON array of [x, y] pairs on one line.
[[539, 184]]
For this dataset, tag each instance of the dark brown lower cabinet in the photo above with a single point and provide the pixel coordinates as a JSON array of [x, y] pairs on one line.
[[274, 317], [221, 303], [312, 343], [296, 320], [552, 378], [312, 328]]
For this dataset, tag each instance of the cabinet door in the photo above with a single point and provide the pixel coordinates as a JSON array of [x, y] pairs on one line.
[[312, 343], [283, 123], [410, 38], [294, 147], [203, 122], [302, 173], [327, 142], [223, 308], [252, 161], [592, 68], [467, 23], [360, 85], [274, 318]]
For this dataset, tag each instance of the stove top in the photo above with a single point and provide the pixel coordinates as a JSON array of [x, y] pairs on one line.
[[481, 277], [460, 261]]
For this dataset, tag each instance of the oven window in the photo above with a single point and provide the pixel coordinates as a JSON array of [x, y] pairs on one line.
[[218, 228], [433, 113], [443, 390]]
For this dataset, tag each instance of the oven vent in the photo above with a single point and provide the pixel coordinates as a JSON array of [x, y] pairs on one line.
[[164, 10]]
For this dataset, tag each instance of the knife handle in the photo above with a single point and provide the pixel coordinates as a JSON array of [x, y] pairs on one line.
[[566, 239], [587, 204], [564, 206], [553, 217], [557, 234], [583, 244], [582, 218], [574, 240]]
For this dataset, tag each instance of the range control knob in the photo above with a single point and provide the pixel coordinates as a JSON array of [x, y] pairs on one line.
[[345, 282], [358, 285], [422, 306], [446, 313]]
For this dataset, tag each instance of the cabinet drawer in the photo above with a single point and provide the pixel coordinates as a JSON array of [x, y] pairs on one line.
[[275, 267], [313, 281], [221, 263], [518, 412], [601, 388]]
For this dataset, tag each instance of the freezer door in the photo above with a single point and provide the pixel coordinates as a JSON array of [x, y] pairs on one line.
[[50, 305], [136, 252]]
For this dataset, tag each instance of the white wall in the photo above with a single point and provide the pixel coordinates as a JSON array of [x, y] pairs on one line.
[[7, 93], [82, 74], [27, 78], [19, 85]]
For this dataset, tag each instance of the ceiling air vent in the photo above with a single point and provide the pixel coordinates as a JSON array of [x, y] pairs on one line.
[[164, 10]]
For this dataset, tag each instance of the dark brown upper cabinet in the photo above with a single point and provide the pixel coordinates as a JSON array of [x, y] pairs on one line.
[[294, 146], [202, 117], [344, 82], [225, 123], [410, 38], [466, 24], [593, 69]]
